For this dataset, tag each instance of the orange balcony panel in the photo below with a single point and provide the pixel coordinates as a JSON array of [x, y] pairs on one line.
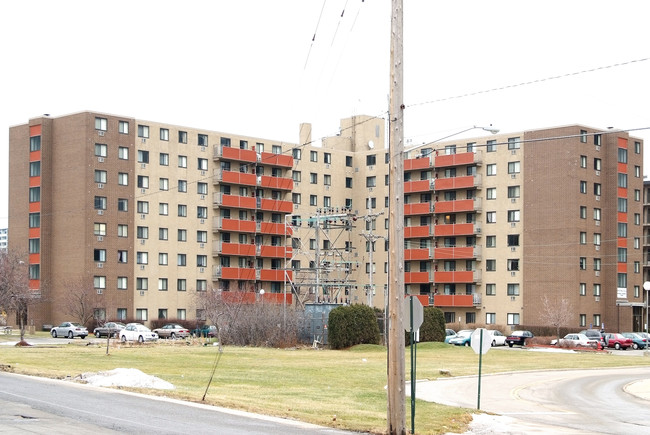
[[234, 177], [621, 268], [35, 130], [455, 183], [238, 201], [621, 217], [277, 160], [622, 192], [417, 254], [229, 153], [417, 186], [34, 258], [622, 167], [35, 156], [273, 251], [454, 160], [457, 206], [459, 276], [34, 207], [417, 208], [453, 253], [34, 181], [424, 299], [414, 164], [453, 301], [34, 284], [277, 298], [238, 226], [244, 274], [34, 233], [273, 275], [621, 242], [237, 249], [622, 142], [275, 205], [277, 183], [453, 230], [275, 228], [416, 277], [421, 231], [253, 297]]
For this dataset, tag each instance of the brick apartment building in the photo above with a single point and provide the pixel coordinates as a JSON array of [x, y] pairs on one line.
[[150, 215]]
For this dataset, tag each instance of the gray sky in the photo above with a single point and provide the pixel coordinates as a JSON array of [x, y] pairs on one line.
[[255, 68]]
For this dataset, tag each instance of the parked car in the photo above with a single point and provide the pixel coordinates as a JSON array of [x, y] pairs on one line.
[[498, 339], [518, 337], [109, 329], [638, 342], [69, 330], [576, 340], [617, 341], [137, 332], [449, 334], [205, 331], [172, 330], [595, 334], [644, 335], [462, 338]]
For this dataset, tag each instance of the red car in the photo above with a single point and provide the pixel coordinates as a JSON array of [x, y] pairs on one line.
[[617, 341]]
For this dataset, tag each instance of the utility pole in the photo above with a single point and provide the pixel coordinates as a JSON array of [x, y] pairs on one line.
[[370, 237], [396, 364]]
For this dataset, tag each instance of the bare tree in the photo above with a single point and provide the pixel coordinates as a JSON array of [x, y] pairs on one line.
[[81, 300], [557, 313], [15, 294]]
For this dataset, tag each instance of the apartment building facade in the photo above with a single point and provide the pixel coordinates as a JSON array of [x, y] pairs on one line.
[[150, 215]]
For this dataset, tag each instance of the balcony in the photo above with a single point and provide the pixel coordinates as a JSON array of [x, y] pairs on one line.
[[418, 163], [418, 186], [458, 206], [274, 251], [234, 225], [417, 277], [234, 249], [236, 154], [465, 301], [417, 254], [274, 228], [275, 205], [453, 253], [454, 183], [448, 160], [418, 232], [230, 273], [234, 177], [418, 208], [457, 276], [253, 297], [274, 275], [234, 201], [443, 230], [279, 183]]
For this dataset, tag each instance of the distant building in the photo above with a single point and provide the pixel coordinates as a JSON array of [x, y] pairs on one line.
[[154, 214], [3, 239]]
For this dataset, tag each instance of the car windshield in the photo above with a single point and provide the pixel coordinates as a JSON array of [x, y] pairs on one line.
[[518, 333]]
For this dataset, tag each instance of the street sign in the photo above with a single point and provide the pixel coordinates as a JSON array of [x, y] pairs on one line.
[[418, 313], [475, 341]]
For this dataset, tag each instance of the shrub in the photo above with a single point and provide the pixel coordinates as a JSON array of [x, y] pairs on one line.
[[352, 324]]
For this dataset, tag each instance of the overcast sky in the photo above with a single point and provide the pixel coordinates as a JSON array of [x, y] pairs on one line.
[[262, 67]]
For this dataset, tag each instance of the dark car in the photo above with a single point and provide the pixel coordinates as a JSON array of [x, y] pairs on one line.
[[617, 341], [519, 338], [595, 334], [109, 329], [205, 331], [638, 342]]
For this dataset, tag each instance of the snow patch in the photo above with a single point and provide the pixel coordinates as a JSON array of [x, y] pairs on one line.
[[125, 378]]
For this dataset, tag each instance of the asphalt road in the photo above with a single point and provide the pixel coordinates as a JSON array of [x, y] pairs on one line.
[[562, 401], [47, 406]]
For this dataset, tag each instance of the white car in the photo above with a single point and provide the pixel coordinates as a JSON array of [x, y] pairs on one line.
[[575, 340], [69, 330], [137, 332], [498, 339]]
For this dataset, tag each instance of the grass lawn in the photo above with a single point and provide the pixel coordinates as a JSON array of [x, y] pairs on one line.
[[342, 389]]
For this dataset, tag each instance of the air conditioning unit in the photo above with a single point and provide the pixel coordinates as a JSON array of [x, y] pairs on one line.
[[327, 188], [141, 292], [100, 291], [201, 245], [513, 224], [142, 267], [597, 247], [597, 172], [370, 189], [513, 298], [100, 265], [144, 140], [202, 221], [513, 176], [327, 166], [201, 269], [295, 206], [143, 165], [513, 152], [202, 196], [100, 159], [142, 241], [513, 200], [142, 216], [100, 212], [143, 190], [597, 298], [513, 249], [513, 273], [597, 198], [597, 223], [598, 273], [296, 183], [597, 147], [100, 238], [203, 149], [202, 172], [100, 132], [478, 230], [100, 186]]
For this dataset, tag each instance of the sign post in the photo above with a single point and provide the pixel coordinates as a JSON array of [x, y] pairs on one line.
[[413, 313], [481, 343]]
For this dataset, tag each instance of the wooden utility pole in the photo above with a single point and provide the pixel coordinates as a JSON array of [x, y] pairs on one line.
[[396, 372]]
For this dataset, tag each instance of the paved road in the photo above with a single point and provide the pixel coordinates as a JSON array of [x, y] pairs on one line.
[[47, 406], [566, 401]]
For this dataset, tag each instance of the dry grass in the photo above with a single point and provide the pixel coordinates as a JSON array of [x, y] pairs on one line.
[[341, 389]]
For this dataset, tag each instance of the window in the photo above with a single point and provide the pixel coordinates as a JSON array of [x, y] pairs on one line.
[[313, 178], [122, 230], [181, 260], [143, 181], [182, 161], [583, 320], [182, 210], [181, 285], [101, 124], [597, 139], [596, 289], [163, 233], [313, 200], [201, 260], [513, 318], [621, 280], [348, 182], [182, 235], [450, 149], [637, 219], [513, 264], [490, 265], [490, 289], [202, 140], [34, 220], [622, 229], [622, 180], [100, 201], [637, 195], [622, 205], [182, 186], [122, 282], [202, 188], [514, 143], [122, 204], [597, 214], [142, 232], [123, 127], [327, 180], [100, 176], [597, 263], [637, 267], [583, 263], [35, 143], [637, 171], [637, 243], [491, 193], [583, 136], [637, 147], [99, 282], [297, 153], [142, 257], [202, 212], [100, 149], [202, 164], [583, 161], [143, 207], [490, 241], [98, 255], [583, 289], [491, 146], [371, 181], [622, 155], [583, 212], [514, 191], [122, 256], [141, 313], [123, 179], [622, 255], [313, 156], [295, 198], [163, 208], [348, 161], [491, 217], [513, 289], [371, 160], [490, 318], [492, 169], [597, 164], [35, 169], [201, 285], [513, 239], [99, 229], [327, 158], [296, 176], [597, 189], [513, 215], [583, 186], [164, 184], [202, 236], [143, 131], [583, 238]]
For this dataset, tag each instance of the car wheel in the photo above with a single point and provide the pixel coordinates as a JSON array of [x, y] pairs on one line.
[[53, 334], [635, 346], [467, 343], [494, 343], [173, 336], [123, 338], [98, 335], [510, 344], [83, 337], [70, 334], [141, 339], [617, 346], [114, 334]]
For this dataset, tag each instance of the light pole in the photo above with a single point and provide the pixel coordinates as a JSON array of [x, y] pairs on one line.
[[646, 287]]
